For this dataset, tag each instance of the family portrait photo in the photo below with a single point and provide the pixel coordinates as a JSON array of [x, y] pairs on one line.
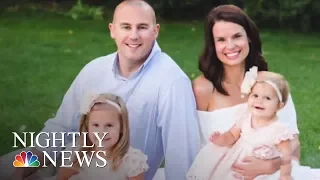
[[160, 90]]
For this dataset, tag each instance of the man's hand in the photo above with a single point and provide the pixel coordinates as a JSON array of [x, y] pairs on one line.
[[251, 167], [16, 176], [21, 173]]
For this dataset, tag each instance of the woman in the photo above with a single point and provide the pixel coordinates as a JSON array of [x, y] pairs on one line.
[[232, 46]]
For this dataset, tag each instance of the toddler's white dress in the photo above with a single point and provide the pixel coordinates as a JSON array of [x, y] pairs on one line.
[[214, 162], [133, 163]]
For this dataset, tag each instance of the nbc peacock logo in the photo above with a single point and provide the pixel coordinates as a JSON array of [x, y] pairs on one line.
[[26, 160]]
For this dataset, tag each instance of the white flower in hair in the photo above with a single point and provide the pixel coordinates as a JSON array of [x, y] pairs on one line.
[[249, 80], [87, 102]]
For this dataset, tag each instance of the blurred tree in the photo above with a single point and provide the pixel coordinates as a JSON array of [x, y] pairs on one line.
[[296, 14], [239, 3]]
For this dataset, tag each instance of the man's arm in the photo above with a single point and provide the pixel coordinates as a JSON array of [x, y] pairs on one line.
[[64, 121], [20, 173], [179, 127]]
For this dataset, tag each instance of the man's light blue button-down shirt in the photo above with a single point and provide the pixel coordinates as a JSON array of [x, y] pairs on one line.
[[161, 105]]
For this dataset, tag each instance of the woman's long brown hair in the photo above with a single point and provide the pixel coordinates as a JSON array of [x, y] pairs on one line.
[[209, 64]]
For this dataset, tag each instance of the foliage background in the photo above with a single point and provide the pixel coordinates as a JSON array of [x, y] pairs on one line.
[[41, 53], [299, 15]]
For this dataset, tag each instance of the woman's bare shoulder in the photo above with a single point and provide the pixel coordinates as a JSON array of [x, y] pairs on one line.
[[202, 89], [202, 85]]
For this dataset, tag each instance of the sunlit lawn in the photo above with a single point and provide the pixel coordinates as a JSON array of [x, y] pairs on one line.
[[39, 58]]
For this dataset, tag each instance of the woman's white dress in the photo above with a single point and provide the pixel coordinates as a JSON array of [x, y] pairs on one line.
[[223, 119]]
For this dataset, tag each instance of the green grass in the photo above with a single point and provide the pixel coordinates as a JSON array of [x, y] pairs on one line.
[[40, 56]]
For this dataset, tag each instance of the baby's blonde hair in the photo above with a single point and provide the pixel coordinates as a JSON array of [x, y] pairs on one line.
[[121, 148], [278, 80]]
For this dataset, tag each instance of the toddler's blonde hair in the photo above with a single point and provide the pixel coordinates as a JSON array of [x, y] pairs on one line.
[[121, 148], [279, 80]]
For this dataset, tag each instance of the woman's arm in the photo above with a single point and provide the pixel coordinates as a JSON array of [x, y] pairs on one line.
[[202, 89], [252, 167], [138, 177], [288, 115], [275, 164]]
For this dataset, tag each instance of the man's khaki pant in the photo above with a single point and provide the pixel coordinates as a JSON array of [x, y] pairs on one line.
[[7, 168]]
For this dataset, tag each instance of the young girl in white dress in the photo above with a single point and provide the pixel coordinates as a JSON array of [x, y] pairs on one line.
[[106, 113], [257, 132]]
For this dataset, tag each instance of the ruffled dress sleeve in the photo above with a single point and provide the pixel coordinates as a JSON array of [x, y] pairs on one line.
[[135, 162], [284, 133], [278, 132]]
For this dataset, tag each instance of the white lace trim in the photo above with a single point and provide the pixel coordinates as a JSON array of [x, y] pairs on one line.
[[287, 135], [136, 162]]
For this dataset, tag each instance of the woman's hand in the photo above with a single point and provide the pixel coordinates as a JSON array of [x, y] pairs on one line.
[[251, 167], [16, 177]]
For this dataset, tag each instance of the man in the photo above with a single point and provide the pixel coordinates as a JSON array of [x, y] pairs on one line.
[[158, 94]]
